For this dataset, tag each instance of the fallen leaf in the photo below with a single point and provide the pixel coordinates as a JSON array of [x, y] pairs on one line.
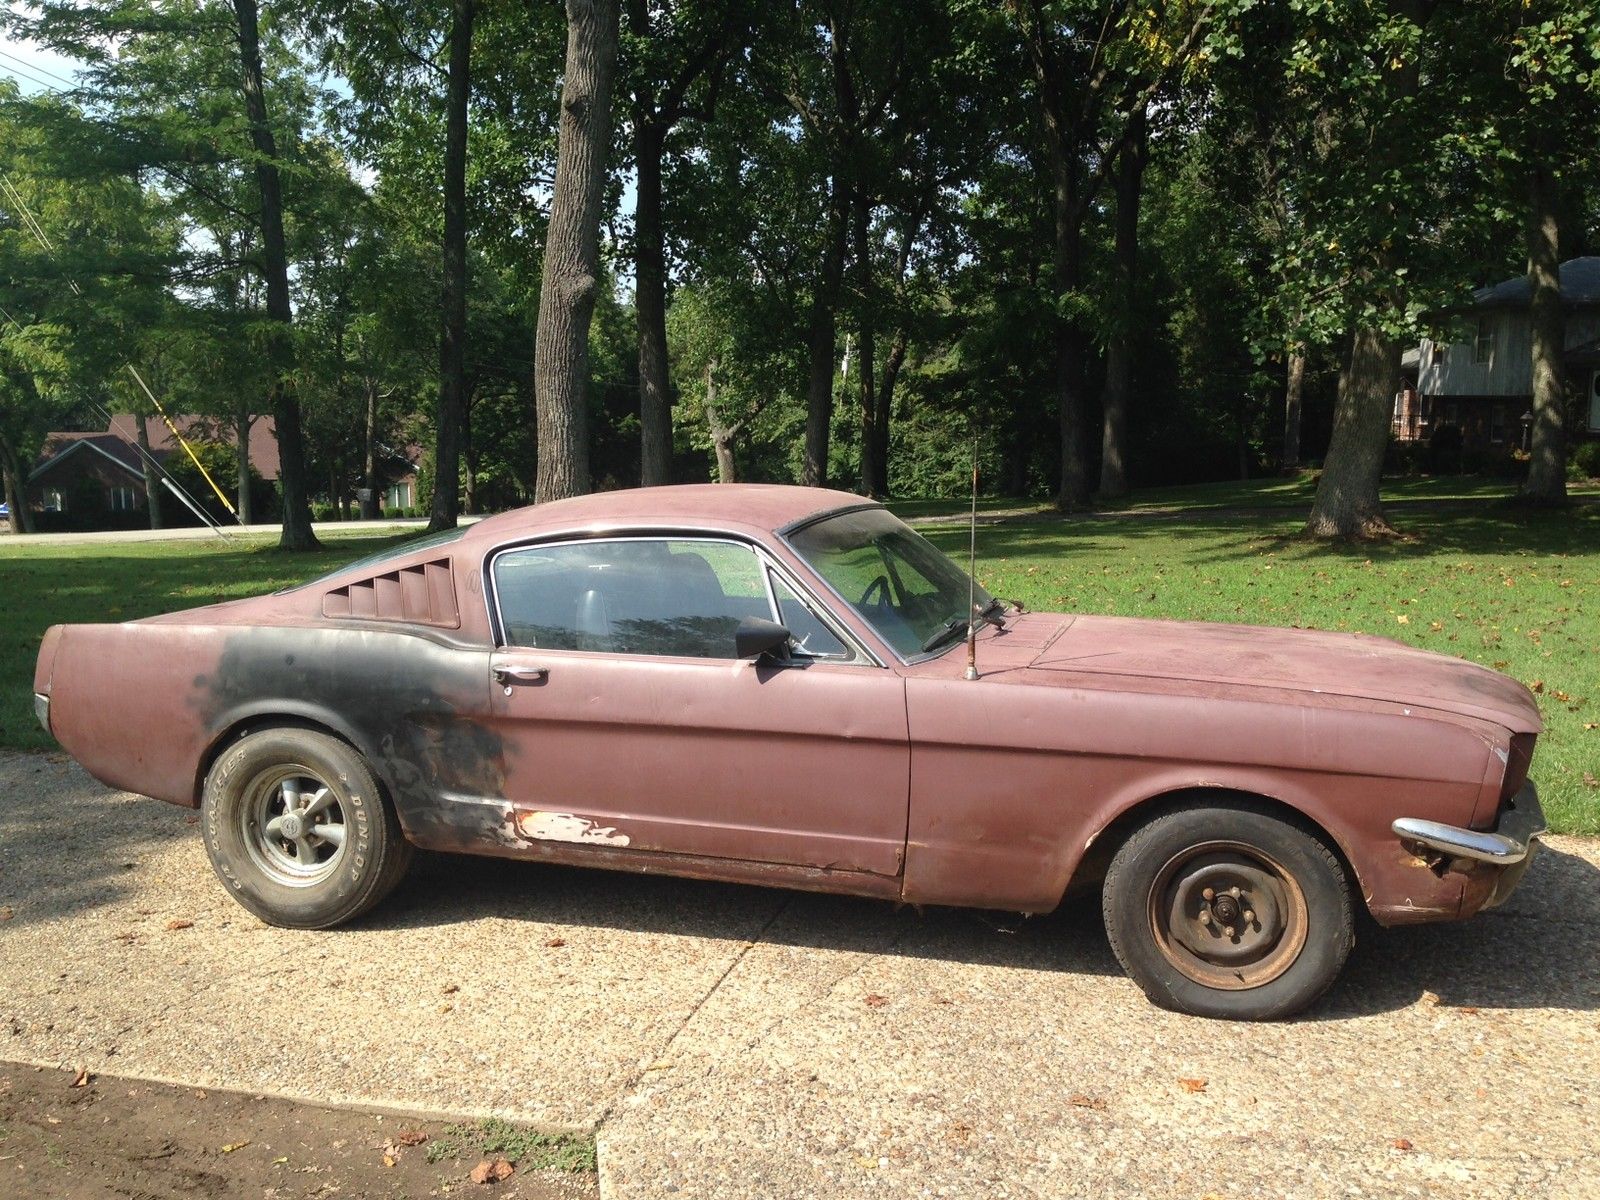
[[411, 1137], [491, 1172], [1193, 1085], [1589, 781], [1401, 1144], [278, 1162], [1537, 687], [876, 1001], [1093, 1102], [180, 923], [388, 1160], [1591, 724], [1403, 619], [556, 943], [232, 1146], [53, 1120], [81, 1079], [1431, 999], [866, 1162], [451, 989], [6, 912]]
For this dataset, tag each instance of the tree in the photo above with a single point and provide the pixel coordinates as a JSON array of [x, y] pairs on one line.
[[675, 49], [572, 251], [1115, 396], [452, 342]]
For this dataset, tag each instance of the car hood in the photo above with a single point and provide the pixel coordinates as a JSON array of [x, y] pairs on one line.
[[1358, 666]]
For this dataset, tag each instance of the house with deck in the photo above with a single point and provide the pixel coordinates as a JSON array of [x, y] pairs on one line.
[[1480, 380]]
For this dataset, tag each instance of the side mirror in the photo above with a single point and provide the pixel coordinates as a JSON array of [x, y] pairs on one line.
[[756, 636]]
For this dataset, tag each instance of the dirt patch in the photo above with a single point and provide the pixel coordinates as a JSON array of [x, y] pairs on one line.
[[105, 1138]]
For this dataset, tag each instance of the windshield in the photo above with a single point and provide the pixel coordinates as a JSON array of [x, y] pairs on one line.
[[909, 592]]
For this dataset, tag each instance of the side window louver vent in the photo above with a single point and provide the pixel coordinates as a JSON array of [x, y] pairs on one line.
[[423, 594]]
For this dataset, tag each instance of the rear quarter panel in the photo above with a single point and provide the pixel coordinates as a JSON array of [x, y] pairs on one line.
[[143, 706]]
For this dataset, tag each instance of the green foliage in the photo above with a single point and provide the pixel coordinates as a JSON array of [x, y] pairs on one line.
[[527, 1149], [1586, 460]]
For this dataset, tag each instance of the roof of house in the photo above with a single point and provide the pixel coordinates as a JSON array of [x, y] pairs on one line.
[[1580, 284], [58, 446], [263, 436]]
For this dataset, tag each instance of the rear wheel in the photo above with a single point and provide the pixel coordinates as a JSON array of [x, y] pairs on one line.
[[297, 830], [1228, 911]]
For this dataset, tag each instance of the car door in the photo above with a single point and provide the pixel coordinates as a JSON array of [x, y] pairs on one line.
[[628, 721]]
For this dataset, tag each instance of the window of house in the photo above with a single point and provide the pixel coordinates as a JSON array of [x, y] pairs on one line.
[[400, 496], [1452, 413], [121, 499], [1497, 425], [658, 596], [1483, 341], [54, 501]]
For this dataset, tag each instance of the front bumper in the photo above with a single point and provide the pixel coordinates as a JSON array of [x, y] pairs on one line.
[[41, 709], [1499, 857]]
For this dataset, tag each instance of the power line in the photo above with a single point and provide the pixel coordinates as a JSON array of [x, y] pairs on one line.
[[35, 68]]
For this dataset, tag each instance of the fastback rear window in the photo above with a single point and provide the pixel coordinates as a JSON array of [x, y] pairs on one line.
[[404, 549]]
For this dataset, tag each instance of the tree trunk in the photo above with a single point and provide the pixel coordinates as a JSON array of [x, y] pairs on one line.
[[650, 307], [1547, 466], [152, 481], [297, 534], [242, 422], [469, 453], [885, 405], [1293, 393], [1347, 503], [821, 338], [453, 332], [866, 390], [369, 455], [1073, 493], [1118, 390], [21, 517], [572, 251], [721, 435]]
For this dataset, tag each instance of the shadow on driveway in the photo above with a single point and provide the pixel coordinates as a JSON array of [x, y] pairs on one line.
[[1542, 950]]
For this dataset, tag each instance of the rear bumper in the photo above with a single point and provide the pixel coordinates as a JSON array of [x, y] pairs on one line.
[[41, 709], [1494, 861]]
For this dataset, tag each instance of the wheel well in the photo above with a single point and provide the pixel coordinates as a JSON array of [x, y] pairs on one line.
[[255, 724], [1091, 869]]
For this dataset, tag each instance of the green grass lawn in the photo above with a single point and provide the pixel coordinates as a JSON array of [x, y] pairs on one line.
[[1516, 591]]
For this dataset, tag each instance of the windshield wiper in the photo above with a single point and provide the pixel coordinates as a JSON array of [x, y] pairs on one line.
[[994, 612], [956, 625]]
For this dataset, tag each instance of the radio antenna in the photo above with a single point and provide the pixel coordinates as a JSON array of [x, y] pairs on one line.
[[972, 569]]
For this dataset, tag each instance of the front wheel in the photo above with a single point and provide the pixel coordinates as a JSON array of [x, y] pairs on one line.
[[297, 831], [1228, 911]]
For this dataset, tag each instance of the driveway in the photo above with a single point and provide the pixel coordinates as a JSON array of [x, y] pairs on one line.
[[737, 1042]]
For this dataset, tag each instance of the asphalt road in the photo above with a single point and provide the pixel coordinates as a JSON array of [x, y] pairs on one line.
[[735, 1042]]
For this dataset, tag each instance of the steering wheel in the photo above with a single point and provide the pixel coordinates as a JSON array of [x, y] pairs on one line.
[[880, 585]]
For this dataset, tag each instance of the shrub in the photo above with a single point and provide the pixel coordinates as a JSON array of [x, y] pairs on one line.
[[1586, 458]]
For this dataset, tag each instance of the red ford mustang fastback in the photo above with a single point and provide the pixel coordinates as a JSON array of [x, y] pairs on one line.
[[768, 684]]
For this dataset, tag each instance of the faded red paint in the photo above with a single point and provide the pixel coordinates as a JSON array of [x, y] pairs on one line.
[[900, 780]]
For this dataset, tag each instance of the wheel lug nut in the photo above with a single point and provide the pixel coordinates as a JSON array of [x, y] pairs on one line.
[[1205, 916], [1249, 917], [1209, 894], [1234, 892], [1227, 931]]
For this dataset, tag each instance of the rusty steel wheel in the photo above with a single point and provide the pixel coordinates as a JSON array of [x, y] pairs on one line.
[[1230, 909], [1227, 915]]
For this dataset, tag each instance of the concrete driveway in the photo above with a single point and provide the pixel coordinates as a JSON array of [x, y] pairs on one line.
[[734, 1042]]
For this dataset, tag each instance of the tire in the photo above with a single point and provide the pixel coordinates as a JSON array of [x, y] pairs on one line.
[[295, 874], [1196, 945]]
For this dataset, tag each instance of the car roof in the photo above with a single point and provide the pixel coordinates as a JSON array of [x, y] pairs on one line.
[[761, 506]]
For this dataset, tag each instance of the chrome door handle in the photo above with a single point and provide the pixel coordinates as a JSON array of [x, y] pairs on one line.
[[508, 674]]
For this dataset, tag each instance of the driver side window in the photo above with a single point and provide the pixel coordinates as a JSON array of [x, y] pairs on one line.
[[808, 636]]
